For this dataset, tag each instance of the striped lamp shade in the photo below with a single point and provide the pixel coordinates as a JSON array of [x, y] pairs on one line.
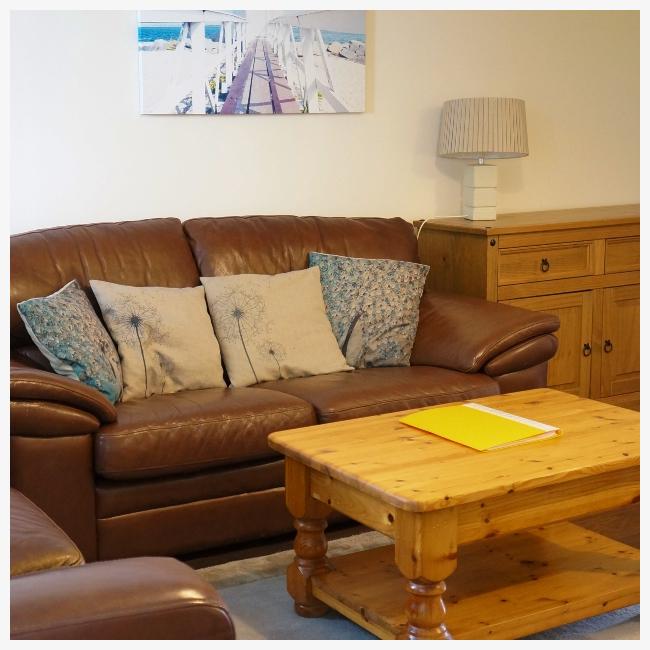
[[483, 127]]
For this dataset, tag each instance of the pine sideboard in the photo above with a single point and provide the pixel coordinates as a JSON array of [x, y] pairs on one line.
[[581, 264]]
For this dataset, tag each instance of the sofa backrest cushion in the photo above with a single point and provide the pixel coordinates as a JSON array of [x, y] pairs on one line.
[[152, 252], [277, 243]]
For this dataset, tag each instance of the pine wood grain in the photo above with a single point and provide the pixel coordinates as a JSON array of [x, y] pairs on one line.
[[566, 285], [569, 370], [362, 507], [623, 255], [596, 358], [432, 495], [517, 265], [621, 524], [504, 588], [628, 400], [543, 220], [587, 250], [448, 251], [310, 545], [417, 471], [546, 235], [621, 365]]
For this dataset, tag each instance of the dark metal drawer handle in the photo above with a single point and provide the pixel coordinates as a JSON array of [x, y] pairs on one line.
[[586, 349], [545, 265], [608, 347]]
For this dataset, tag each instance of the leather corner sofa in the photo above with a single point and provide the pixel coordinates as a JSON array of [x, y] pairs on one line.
[[55, 595], [192, 471]]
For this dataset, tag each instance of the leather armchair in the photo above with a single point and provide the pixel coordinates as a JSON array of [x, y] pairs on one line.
[[55, 595]]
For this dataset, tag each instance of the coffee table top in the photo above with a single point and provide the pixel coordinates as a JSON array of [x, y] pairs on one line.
[[418, 471]]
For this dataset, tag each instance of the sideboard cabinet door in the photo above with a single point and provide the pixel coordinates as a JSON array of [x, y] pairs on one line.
[[581, 264], [570, 368], [620, 349]]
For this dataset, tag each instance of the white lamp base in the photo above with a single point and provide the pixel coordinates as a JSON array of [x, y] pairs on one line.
[[480, 193]]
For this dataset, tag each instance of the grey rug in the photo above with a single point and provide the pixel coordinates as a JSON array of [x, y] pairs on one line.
[[254, 591]]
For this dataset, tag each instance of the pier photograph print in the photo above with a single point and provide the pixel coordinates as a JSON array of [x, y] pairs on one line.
[[205, 62]]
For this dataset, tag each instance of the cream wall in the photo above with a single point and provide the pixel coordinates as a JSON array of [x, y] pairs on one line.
[[80, 152]]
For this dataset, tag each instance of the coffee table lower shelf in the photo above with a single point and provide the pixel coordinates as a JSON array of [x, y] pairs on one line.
[[504, 588]]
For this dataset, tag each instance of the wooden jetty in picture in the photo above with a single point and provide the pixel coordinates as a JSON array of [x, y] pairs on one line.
[[261, 85], [254, 73]]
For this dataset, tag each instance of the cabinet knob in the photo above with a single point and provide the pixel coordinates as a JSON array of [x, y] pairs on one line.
[[608, 347], [545, 265], [586, 349]]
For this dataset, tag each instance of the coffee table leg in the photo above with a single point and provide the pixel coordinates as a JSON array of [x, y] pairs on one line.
[[425, 553], [426, 610], [310, 544]]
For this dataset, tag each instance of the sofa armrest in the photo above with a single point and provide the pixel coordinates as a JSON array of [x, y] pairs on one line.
[[464, 333], [34, 419], [37, 543], [525, 355], [31, 384], [137, 598]]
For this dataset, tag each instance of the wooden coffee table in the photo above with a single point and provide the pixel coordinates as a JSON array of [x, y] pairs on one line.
[[499, 516]]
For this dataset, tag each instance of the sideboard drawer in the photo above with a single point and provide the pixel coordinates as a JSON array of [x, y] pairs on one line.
[[582, 265], [622, 255], [537, 263]]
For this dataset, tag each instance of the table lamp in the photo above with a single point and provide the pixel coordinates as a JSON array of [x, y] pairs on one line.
[[480, 128]]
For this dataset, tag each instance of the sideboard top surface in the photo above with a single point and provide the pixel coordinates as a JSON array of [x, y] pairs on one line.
[[518, 222]]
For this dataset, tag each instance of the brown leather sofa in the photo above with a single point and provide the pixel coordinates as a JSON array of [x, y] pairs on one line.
[[192, 471], [55, 595]]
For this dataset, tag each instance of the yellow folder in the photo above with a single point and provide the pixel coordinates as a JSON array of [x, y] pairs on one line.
[[480, 427]]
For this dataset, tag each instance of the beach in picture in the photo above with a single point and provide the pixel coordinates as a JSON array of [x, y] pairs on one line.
[[204, 62]]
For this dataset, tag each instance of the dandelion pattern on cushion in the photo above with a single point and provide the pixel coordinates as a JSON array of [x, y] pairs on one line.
[[273, 350], [138, 326], [164, 337], [167, 370], [238, 316], [69, 333], [373, 306]]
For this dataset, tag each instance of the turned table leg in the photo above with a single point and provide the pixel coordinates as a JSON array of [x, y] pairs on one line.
[[425, 553], [426, 610], [310, 545], [310, 560]]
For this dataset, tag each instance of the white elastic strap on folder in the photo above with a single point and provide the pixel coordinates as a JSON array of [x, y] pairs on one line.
[[510, 416]]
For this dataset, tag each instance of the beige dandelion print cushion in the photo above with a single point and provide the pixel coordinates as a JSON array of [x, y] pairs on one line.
[[164, 338], [272, 326]]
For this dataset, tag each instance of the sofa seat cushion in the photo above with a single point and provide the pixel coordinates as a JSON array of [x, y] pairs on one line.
[[37, 543], [371, 391], [193, 430]]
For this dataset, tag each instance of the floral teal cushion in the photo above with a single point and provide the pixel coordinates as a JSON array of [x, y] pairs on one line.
[[66, 329], [373, 306]]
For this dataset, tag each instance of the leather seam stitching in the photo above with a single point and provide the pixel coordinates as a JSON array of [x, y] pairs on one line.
[[119, 473], [202, 423], [393, 401], [121, 515]]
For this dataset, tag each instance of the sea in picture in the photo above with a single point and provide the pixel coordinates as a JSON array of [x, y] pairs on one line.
[[171, 32], [251, 62]]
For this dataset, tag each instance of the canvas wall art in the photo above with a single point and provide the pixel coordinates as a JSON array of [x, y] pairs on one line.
[[251, 62]]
